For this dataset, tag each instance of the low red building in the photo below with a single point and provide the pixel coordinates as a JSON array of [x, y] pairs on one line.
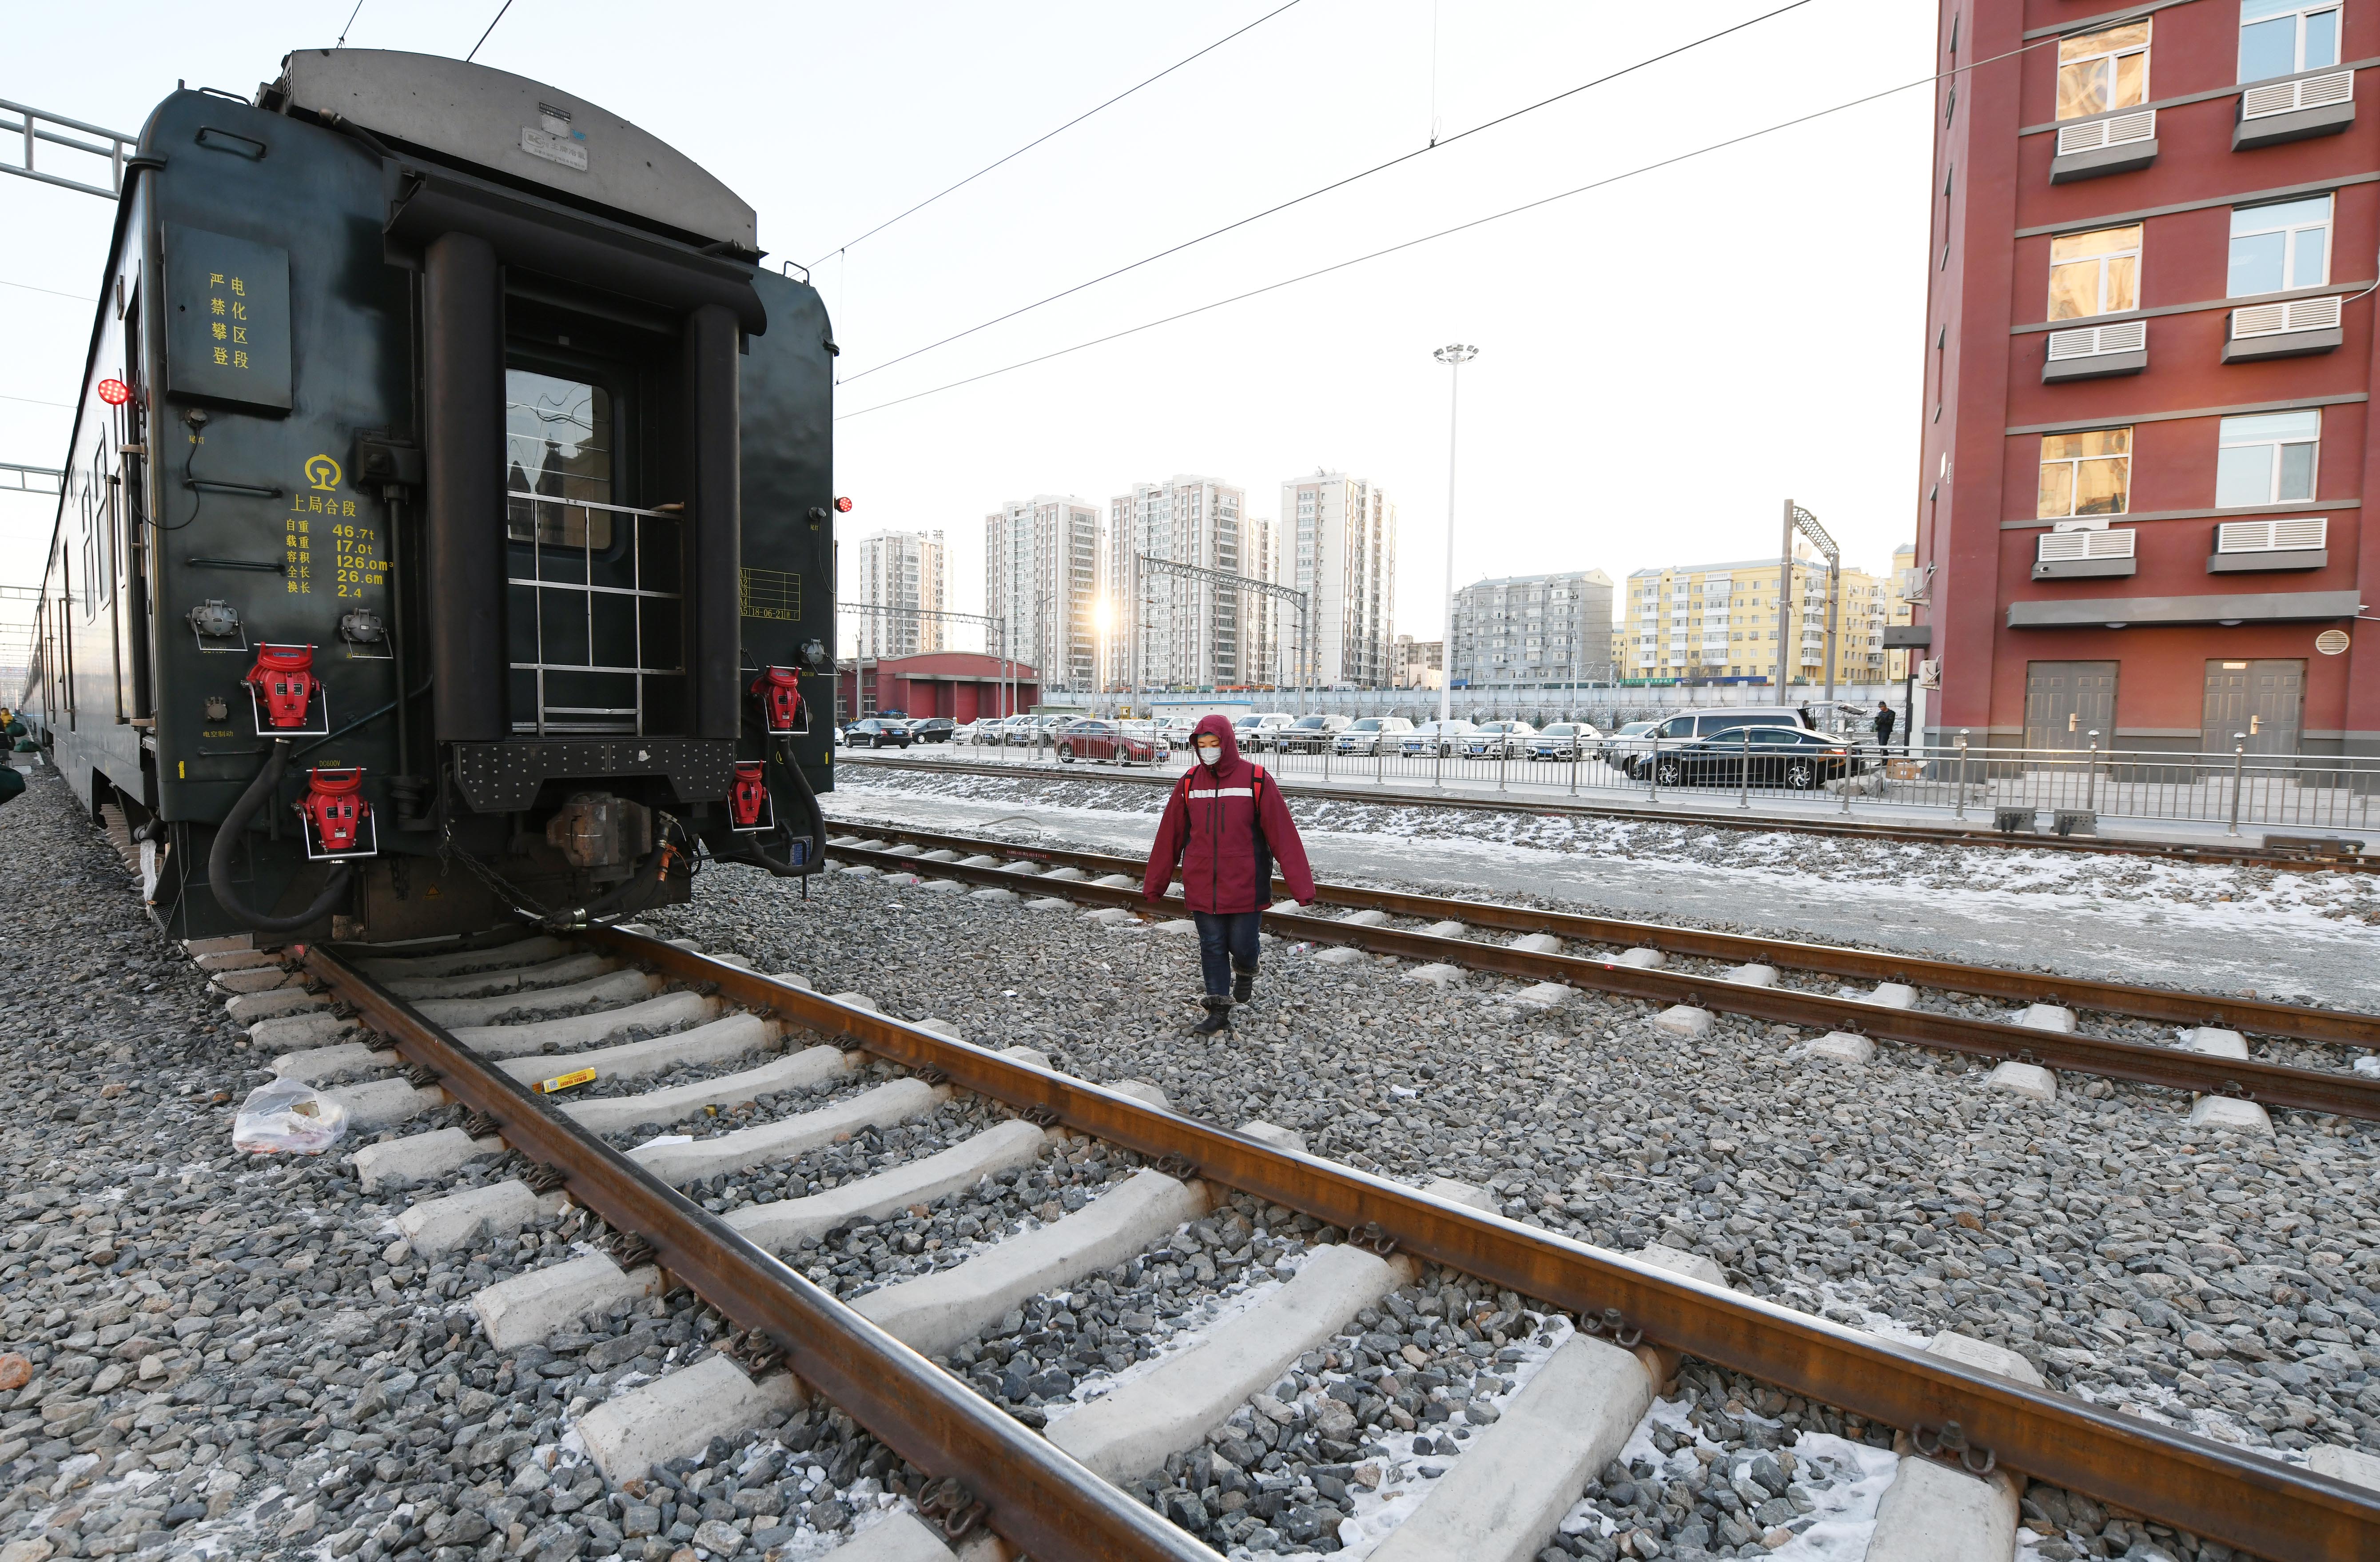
[[2148, 359], [960, 685]]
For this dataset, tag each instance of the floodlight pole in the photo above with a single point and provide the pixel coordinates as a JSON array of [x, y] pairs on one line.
[[1454, 355]]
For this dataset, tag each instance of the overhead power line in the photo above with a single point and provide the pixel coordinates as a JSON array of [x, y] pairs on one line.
[[1434, 145], [79, 297], [483, 37], [35, 401], [1448, 232], [1061, 131]]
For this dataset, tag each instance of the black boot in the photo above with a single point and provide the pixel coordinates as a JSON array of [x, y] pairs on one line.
[[1244, 982], [1218, 1016]]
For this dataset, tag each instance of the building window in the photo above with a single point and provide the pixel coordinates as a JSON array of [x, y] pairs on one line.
[[2094, 273], [2282, 246], [2283, 37], [2085, 474], [2268, 460], [2104, 71]]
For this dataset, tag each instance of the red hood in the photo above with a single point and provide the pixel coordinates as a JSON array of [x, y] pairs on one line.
[[1222, 728]]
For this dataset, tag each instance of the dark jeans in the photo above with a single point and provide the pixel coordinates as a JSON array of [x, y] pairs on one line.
[[1226, 940]]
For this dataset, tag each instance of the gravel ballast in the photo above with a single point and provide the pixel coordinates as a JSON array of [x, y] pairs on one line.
[[288, 1379]]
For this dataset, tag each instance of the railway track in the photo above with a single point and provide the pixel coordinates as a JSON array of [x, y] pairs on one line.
[[1746, 975], [1560, 1345], [2310, 853]]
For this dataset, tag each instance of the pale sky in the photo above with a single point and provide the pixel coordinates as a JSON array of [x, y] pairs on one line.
[[1661, 361]]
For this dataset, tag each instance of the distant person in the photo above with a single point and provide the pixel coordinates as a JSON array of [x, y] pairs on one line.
[[1226, 826], [1884, 724], [1807, 719]]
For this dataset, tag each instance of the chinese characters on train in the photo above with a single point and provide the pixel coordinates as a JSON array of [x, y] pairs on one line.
[[228, 322]]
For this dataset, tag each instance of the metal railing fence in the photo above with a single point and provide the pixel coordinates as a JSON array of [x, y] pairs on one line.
[[1962, 779]]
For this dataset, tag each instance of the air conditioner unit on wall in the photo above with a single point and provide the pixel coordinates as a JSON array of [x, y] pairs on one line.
[[1929, 673]]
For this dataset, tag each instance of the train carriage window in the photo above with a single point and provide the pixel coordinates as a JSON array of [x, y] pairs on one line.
[[558, 444]]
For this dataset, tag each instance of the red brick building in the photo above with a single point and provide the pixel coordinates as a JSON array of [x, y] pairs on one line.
[[962, 685], [2148, 366]]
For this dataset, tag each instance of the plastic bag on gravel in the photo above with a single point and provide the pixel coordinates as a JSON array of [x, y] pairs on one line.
[[290, 1117]]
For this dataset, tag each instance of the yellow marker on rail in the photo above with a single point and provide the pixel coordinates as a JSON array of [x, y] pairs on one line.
[[564, 1081]]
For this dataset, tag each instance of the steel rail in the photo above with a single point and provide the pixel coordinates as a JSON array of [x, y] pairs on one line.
[[2296, 1021], [1036, 1497], [1927, 835], [2273, 1084], [2194, 1483]]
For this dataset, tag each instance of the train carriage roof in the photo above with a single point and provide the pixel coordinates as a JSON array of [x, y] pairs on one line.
[[521, 128]]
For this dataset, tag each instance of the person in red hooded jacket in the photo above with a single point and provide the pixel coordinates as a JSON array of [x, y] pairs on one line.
[[1227, 827]]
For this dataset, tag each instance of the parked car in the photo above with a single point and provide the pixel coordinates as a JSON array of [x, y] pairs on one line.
[[1621, 746], [933, 729], [1688, 725], [1156, 733], [1256, 732], [1564, 740], [1372, 734], [1497, 739], [1308, 735], [1436, 738], [1109, 740], [1791, 757], [876, 732]]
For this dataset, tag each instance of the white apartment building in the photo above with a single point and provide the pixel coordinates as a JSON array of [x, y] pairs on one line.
[[1527, 629], [1180, 631], [897, 570], [1041, 573], [1338, 542]]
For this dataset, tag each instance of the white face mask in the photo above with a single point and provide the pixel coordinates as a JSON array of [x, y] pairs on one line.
[[1211, 756]]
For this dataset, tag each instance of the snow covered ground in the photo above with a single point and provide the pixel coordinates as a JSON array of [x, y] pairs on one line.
[[2287, 934]]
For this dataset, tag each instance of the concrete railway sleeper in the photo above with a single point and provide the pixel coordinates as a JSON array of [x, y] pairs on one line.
[[2254, 1016], [1558, 1346], [2215, 1065]]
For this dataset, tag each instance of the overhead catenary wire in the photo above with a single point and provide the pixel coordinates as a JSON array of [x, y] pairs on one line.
[[1061, 131], [1435, 144], [483, 37], [79, 297], [1448, 232]]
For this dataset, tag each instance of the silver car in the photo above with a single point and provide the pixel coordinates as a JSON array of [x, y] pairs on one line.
[[1564, 741], [1436, 738], [1497, 739], [1372, 734]]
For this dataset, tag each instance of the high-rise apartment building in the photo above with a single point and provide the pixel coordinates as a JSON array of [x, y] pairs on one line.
[[2148, 363], [1180, 631], [1529, 630], [1042, 574], [900, 570], [1338, 542], [1726, 622]]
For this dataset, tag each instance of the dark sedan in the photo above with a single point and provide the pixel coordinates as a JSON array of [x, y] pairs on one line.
[[876, 732], [1105, 740], [932, 729], [1793, 758]]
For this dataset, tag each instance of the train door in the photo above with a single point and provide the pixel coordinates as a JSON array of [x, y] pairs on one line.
[[594, 551], [2264, 700], [2065, 701]]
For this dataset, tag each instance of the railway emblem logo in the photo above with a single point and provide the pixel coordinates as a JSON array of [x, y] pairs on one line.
[[322, 474]]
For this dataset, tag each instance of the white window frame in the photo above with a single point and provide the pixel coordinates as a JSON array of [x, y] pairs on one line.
[[2289, 244], [2231, 435], [2139, 243], [2299, 12], [2106, 59], [2074, 478]]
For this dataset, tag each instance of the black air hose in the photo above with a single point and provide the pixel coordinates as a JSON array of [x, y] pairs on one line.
[[267, 784]]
